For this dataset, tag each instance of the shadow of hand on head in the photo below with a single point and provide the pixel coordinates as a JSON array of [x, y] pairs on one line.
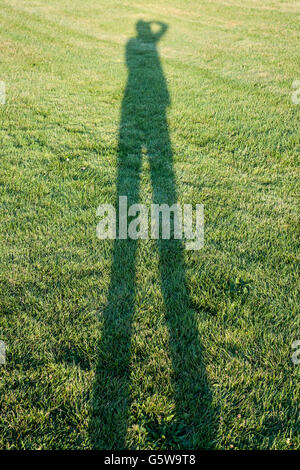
[[147, 33]]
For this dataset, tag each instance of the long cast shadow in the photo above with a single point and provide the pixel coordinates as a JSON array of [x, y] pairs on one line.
[[144, 125]]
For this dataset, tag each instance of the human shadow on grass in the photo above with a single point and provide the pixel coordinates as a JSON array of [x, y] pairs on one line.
[[144, 126]]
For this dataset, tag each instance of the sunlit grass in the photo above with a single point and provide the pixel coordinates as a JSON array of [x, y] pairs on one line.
[[234, 131]]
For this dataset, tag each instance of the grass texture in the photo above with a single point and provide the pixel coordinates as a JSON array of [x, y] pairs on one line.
[[142, 344]]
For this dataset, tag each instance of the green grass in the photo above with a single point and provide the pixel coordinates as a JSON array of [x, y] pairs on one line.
[[147, 345]]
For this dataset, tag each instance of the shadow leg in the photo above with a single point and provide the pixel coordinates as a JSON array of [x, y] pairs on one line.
[[111, 396], [192, 426]]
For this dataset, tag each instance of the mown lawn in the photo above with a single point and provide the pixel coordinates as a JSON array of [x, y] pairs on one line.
[[147, 345]]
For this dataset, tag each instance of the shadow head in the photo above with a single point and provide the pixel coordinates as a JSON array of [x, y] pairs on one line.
[[147, 30]]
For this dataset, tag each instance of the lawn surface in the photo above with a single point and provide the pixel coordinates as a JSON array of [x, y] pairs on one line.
[[146, 345]]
